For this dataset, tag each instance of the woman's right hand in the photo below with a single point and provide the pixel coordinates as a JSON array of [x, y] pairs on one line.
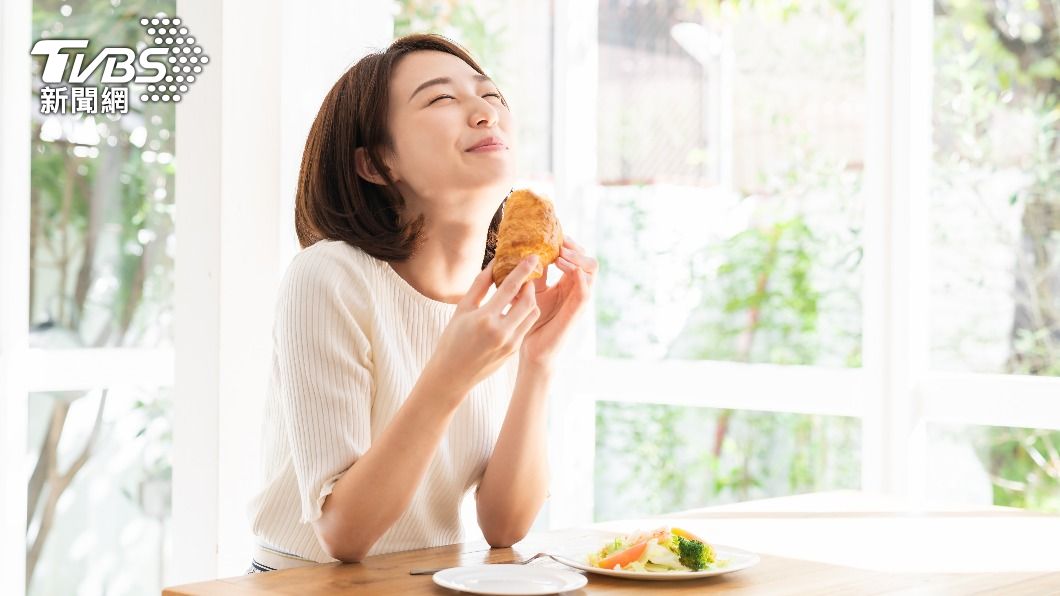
[[481, 337]]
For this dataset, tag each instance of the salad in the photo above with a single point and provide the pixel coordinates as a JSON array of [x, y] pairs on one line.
[[664, 549]]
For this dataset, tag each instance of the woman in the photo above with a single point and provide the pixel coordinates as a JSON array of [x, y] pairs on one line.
[[397, 387]]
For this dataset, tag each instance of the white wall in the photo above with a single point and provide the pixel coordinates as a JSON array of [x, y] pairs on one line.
[[319, 45], [240, 134]]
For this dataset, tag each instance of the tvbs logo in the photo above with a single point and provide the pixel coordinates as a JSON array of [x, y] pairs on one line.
[[118, 63], [164, 68]]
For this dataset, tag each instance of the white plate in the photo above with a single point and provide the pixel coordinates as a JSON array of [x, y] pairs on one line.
[[509, 579], [734, 559]]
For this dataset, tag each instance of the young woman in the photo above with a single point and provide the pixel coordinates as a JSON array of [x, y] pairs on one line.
[[397, 386]]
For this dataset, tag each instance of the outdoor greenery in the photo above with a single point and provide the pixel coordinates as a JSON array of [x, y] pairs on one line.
[[469, 23], [101, 275], [762, 288], [758, 293], [785, 288], [997, 110]]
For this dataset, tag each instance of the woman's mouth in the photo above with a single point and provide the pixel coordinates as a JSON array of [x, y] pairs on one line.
[[487, 148], [488, 144]]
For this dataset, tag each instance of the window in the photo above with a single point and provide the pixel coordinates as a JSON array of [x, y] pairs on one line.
[[751, 192], [995, 302], [101, 263], [995, 265], [730, 157], [657, 458]]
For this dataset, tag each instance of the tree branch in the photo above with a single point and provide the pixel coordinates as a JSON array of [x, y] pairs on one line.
[[58, 483]]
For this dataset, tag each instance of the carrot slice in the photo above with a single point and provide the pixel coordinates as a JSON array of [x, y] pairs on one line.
[[624, 557]]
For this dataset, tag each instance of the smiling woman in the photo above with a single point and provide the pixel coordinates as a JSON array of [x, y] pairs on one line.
[[353, 195], [394, 389]]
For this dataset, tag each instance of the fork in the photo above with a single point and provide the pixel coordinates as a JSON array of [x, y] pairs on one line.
[[433, 571]]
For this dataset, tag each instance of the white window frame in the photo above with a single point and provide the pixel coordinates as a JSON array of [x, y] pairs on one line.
[[24, 370], [895, 393]]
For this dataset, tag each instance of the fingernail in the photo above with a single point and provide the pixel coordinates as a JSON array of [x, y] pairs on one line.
[[531, 259]]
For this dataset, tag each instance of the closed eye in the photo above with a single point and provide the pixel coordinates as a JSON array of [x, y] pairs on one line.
[[497, 95]]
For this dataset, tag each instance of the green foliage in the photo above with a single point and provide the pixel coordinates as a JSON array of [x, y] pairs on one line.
[[644, 440], [654, 459], [1025, 466], [761, 301], [766, 286], [470, 24], [101, 223], [102, 209], [761, 295], [995, 62], [779, 10]]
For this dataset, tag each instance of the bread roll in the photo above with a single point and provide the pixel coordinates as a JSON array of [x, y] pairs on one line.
[[528, 226]]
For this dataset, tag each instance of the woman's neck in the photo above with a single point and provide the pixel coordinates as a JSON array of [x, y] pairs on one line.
[[447, 260]]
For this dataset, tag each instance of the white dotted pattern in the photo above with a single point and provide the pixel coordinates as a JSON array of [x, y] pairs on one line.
[[185, 57]]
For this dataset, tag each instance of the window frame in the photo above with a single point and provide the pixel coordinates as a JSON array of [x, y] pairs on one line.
[[895, 393]]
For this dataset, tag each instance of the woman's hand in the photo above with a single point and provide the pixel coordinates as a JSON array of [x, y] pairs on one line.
[[559, 304], [479, 339]]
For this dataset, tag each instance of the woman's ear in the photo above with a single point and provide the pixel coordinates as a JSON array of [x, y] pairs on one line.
[[365, 169]]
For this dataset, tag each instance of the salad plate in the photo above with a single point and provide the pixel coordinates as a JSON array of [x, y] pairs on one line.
[[733, 559], [664, 554]]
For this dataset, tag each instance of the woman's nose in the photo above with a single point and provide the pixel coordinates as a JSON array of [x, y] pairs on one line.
[[484, 114]]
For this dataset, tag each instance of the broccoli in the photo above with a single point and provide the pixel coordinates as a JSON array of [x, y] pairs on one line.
[[694, 554]]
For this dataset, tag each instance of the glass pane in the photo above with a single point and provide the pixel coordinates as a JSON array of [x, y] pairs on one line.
[[730, 153], [102, 243], [653, 459], [512, 43], [993, 465], [995, 205], [99, 491]]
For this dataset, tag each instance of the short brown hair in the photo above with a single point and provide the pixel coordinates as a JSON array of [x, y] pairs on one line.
[[332, 201]]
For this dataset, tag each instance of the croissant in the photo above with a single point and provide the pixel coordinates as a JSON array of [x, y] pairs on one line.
[[528, 226]]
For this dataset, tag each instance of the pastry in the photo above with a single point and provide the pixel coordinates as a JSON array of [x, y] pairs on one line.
[[528, 226]]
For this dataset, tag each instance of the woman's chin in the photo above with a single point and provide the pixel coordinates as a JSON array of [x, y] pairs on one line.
[[499, 179]]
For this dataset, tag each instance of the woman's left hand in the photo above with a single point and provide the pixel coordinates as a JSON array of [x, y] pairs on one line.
[[560, 304]]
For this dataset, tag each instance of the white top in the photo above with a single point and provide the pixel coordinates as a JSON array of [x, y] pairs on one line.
[[350, 340]]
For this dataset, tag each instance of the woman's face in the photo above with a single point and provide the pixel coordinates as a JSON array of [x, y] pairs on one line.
[[440, 109]]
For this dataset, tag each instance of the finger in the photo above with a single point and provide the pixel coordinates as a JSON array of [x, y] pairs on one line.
[[512, 284], [582, 260], [570, 243], [473, 298], [564, 265], [527, 324], [525, 302], [570, 271], [541, 283], [577, 298]]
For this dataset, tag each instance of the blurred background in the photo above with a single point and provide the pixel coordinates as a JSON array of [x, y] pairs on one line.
[[740, 154]]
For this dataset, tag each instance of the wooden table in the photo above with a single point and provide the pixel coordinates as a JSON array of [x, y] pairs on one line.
[[824, 543]]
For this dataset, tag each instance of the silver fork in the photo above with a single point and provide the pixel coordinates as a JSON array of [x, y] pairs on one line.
[[433, 571]]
